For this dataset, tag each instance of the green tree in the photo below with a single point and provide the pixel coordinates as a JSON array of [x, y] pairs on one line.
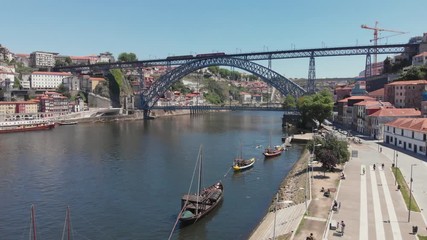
[[413, 73], [127, 57], [330, 151], [68, 61], [316, 107], [180, 87], [214, 70], [289, 102], [16, 83]]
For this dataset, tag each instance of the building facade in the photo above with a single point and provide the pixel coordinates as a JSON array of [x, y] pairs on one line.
[[40, 59], [405, 94], [54, 102], [407, 133], [377, 119], [48, 80], [18, 107], [420, 59]]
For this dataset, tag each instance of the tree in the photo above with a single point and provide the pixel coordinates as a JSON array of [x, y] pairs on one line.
[[16, 83], [330, 151], [127, 57], [316, 107], [413, 73], [289, 102]]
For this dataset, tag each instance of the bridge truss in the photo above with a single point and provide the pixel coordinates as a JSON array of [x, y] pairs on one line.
[[285, 86]]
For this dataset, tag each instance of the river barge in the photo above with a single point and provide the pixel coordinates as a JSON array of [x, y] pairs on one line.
[[25, 126]]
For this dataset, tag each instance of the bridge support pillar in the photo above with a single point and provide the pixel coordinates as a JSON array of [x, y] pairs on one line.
[[146, 114], [368, 66], [311, 86]]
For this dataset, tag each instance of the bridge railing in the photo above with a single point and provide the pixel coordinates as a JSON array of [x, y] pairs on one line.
[[290, 111]]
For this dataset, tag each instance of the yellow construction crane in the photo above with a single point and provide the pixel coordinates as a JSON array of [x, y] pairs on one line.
[[376, 30]]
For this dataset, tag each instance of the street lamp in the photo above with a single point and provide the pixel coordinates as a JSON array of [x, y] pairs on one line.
[[395, 167], [275, 209], [410, 194], [308, 175]]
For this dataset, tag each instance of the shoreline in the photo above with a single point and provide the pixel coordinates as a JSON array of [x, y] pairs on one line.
[[293, 184]]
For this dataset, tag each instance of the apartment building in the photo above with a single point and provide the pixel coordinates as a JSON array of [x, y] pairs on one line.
[[41, 59], [18, 107], [53, 102], [377, 119], [408, 134], [405, 94], [48, 80], [362, 110], [420, 59]]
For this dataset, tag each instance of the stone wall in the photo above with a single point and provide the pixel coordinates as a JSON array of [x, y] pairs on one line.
[[98, 101]]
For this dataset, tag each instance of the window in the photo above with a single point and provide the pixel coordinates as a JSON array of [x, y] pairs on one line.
[[424, 138], [410, 145], [400, 142], [412, 134]]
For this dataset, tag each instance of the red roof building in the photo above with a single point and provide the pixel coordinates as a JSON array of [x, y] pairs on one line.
[[407, 133]]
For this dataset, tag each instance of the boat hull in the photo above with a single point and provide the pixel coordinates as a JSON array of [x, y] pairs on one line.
[[189, 218], [250, 164], [272, 153], [28, 128]]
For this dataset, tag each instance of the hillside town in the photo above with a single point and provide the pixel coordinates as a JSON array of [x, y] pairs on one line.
[[381, 104]]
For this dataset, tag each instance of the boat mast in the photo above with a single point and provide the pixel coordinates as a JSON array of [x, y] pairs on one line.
[[33, 223], [68, 223], [200, 179]]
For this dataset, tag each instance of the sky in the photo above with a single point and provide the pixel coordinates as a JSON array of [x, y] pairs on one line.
[[162, 28]]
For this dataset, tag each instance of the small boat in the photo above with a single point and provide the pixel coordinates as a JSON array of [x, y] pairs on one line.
[[25, 126], [272, 152], [240, 163], [197, 205], [67, 123]]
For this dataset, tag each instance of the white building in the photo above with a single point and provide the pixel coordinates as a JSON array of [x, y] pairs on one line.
[[47, 80], [420, 59], [407, 133], [7, 72]]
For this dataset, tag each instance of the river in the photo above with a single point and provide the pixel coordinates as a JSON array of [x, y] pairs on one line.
[[124, 180]]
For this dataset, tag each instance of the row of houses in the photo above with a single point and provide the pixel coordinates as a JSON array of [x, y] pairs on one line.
[[49, 102]]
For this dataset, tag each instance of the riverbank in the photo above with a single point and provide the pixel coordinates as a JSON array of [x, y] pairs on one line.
[[291, 190]]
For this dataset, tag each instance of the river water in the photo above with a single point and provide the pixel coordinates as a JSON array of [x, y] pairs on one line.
[[124, 180]]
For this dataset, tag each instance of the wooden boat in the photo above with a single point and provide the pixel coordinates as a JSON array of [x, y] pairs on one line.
[[67, 123], [272, 152], [25, 126], [240, 163], [196, 206]]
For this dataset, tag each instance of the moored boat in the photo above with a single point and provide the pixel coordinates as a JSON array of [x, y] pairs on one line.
[[25, 125], [240, 163], [67, 123], [270, 152], [196, 206]]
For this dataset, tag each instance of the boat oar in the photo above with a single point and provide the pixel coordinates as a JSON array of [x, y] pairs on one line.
[[227, 171]]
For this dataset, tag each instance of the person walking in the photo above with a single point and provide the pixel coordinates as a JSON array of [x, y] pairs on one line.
[[374, 167], [382, 166], [342, 228], [363, 170]]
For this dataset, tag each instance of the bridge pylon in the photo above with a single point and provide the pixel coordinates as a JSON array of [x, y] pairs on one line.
[[368, 66], [311, 86]]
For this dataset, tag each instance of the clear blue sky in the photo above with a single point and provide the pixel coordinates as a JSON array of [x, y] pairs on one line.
[[159, 28]]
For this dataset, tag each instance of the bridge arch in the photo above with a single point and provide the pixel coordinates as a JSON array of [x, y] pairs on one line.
[[282, 84]]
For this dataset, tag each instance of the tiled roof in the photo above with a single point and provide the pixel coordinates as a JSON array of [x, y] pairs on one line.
[[415, 124], [409, 82], [357, 97], [396, 112], [52, 73], [421, 54], [96, 79], [377, 92]]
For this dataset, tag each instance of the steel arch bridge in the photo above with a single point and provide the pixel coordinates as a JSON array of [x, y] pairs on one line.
[[285, 86]]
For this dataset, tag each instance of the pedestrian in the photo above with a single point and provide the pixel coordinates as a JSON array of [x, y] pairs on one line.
[[382, 166], [363, 170], [342, 228], [374, 167], [381, 149]]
